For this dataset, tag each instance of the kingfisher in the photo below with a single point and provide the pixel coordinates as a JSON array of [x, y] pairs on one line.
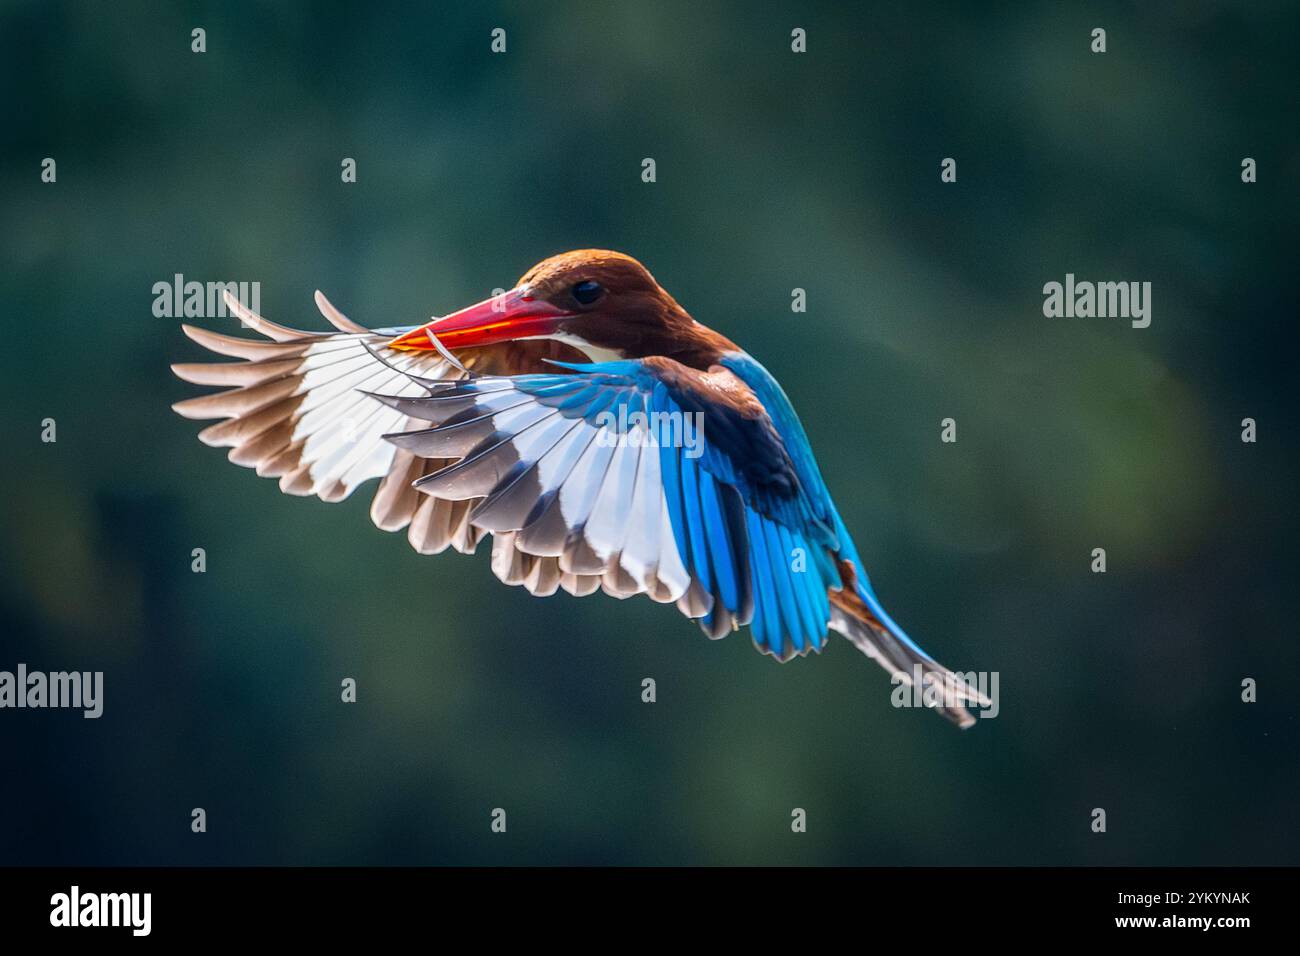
[[600, 436]]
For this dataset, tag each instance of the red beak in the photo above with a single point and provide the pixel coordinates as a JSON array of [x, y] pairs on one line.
[[512, 315]]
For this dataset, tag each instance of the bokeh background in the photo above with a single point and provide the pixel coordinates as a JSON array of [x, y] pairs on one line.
[[775, 171]]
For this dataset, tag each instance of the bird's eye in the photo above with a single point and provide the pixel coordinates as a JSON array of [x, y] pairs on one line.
[[588, 292]]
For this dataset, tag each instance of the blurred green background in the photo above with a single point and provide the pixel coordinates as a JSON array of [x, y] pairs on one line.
[[775, 171]]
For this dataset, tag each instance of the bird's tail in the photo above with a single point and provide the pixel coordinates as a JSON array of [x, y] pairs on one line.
[[857, 615]]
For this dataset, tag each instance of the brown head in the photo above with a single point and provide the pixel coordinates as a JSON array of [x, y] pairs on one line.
[[604, 304]]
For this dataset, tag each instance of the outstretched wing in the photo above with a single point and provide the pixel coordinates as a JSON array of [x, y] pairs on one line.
[[633, 477], [293, 409]]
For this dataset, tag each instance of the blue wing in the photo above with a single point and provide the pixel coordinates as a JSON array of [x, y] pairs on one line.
[[633, 477]]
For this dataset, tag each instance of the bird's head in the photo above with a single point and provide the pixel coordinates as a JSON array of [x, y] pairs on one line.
[[604, 304]]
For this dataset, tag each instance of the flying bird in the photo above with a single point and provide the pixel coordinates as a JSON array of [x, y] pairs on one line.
[[601, 436]]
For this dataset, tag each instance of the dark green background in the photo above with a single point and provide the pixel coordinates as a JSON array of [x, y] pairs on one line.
[[775, 171]]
